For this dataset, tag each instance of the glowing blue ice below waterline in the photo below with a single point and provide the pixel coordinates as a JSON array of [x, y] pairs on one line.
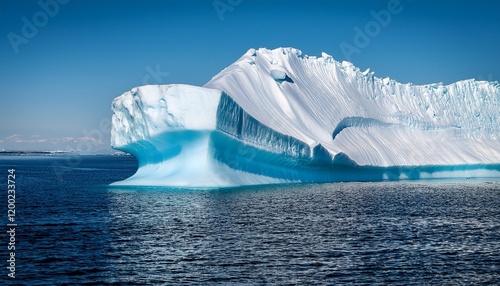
[[220, 160], [328, 123]]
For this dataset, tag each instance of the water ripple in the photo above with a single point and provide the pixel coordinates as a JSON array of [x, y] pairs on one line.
[[85, 233]]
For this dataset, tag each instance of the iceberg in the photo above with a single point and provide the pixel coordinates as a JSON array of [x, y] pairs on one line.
[[277, 116]]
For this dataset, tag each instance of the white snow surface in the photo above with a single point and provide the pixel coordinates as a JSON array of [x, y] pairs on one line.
[[431, 124], [258, 119], [149, 110]]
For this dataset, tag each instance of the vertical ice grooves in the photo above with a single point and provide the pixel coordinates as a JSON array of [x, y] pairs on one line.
[[229, 116], [234, 121]]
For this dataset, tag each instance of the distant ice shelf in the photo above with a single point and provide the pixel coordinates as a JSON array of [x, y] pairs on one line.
[[276, 116]]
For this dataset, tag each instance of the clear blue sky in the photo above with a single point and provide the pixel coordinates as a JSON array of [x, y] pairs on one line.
[[57, 81]]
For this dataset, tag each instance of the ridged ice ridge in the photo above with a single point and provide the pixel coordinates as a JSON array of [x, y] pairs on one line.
[[276, 116]]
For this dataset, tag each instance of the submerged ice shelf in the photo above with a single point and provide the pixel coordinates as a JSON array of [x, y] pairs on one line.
[[276, 116]]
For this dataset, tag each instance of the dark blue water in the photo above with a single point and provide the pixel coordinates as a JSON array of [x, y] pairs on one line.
[[74, 229]]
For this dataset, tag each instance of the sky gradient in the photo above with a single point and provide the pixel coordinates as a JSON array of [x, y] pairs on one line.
[[63, 61]]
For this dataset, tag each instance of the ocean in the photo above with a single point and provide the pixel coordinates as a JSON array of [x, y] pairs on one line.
[[72, 228]]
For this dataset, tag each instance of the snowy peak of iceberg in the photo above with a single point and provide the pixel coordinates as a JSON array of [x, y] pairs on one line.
[[279, 116], [323, 95]]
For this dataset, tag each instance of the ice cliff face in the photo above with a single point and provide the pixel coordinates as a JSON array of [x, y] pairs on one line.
[[277, 116]]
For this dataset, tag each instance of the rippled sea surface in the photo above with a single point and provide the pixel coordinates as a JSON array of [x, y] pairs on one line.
[[75, 229]]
